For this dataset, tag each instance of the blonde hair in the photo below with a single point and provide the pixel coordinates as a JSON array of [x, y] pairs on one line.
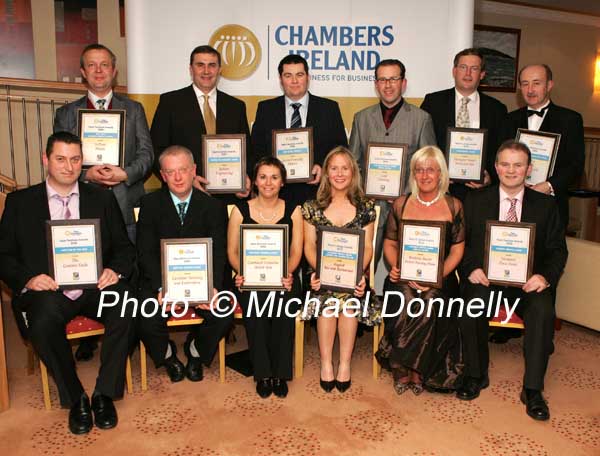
[[423, 154], [355, 192]]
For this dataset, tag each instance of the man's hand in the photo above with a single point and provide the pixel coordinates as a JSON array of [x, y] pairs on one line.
[[542, 187], [394, 274], [316, 171], [535, 283], [478, 277], [107, 278], [41, 282], [245, 194], [416, 286], [487, 180], [200, 183], [107, 175]]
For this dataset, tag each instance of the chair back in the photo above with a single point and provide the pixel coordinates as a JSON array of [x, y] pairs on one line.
[[375, 233]]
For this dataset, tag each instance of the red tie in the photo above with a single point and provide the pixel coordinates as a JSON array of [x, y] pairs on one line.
[[387, 118], [511, 215]]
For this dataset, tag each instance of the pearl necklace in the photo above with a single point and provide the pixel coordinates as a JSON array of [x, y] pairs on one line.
[[428, 203]]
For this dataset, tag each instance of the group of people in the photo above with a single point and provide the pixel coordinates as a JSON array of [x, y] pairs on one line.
[[428, 352]]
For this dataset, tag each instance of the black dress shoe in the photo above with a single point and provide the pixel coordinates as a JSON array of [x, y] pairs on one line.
[[342, 386], [80, 416], [105, 414], [471, 388], [193, 368], [175, 368], [280, 387], [535, 404], [86, 349], [264, 388], [327, 385]]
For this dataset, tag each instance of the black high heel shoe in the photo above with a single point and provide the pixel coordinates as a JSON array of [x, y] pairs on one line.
[[342, 386], [327, 385]]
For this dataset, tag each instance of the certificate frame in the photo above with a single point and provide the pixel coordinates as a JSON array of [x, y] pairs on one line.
[[552, 160], [206, 140], [441, 254], [290, 173], [52, 263], [330, 231], [448, 151], [87, 162], [165, 244], [253, 228], [403, 148], [531, 251]]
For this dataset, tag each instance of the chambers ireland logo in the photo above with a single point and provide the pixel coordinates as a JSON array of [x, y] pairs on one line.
[[239, 48]]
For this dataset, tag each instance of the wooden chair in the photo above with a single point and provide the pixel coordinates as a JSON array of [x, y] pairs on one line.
[[514, 322]]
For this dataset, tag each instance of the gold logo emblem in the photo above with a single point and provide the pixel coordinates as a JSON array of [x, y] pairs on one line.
[[240, 51]]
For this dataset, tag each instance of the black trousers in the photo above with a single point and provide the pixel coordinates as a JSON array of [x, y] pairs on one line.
[[153, 331], [537, 312], [48, 313]]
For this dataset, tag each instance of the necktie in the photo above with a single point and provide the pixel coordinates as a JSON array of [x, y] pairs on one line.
[[462, 118], [209, 118], [71, 294], [387, 118], [101, 103], [531, 112], [511, 215], [296, 120], [181, 210]]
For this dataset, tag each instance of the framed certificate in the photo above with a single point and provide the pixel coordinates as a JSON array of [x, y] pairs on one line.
[[263, 256], [509, 249], [340, 254], [294, 147], [224, 159], [74, 252], [543, 147], [385, 168], [421, 252], [186, 266], [102, 136], [465, 154]]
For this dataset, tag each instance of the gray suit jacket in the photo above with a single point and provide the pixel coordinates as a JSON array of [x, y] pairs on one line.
[[139, 154], [411, 126]]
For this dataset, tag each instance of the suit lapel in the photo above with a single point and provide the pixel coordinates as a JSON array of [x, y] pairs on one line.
[[221, 120], [170, 210], [527, 209], [376, 118], [484, 112], [549, 123], [42, 202], [85, 209], [451, 108], [193, 108]]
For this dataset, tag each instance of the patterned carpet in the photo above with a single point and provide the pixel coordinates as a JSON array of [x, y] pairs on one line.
[[216, 419]]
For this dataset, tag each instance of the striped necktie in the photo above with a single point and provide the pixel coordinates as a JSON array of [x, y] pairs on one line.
[[296, 120]]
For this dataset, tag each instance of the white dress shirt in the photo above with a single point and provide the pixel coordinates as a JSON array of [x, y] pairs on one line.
[[212, 99], [534, 122], [93, 98], [289, 110], [505, 204]]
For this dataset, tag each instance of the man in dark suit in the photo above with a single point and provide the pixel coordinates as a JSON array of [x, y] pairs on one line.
[[99, 71], [279, 113], [179, 211], [541, 114], [465, 106], [512, 201], [24, 267], [184, 115]]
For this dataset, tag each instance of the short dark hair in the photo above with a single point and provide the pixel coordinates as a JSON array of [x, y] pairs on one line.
[[514, 145], [543, 65], [292, 59], [98, 47], [268, 160], [470, 51], [391, 62], [205, 49], [63, 137]]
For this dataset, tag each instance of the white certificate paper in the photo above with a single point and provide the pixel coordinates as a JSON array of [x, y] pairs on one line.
[[101, 137], [542, 151], [224, 164], [187, 272], [420, 253], [508, 255], [293, 149], [74, 250], [465, 155], [263, 257], [384, 171], [339, 262]]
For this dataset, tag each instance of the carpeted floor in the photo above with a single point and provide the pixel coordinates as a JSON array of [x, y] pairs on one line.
[[209, 418]]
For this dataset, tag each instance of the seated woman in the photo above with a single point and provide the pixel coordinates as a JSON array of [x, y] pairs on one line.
[[424, 350], [270, 337], [340, 203]]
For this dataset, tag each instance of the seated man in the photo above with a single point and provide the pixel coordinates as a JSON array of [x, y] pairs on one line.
[[179, 210], [24, 267], [511, 201]]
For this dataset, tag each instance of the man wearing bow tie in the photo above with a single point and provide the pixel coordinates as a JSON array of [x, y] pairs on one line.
[[541, 114]]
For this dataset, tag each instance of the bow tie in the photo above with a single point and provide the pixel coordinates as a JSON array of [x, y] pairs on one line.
[[531, 112]]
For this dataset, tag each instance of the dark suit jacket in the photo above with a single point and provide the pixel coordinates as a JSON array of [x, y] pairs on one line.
[[570, 159], [178, 121], [159, 219], [550, 251], [23, 246], [139, 154]]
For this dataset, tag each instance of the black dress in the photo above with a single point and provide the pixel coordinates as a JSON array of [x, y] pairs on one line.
[[427, 344]]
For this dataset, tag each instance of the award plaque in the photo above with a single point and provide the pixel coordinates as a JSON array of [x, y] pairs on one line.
[[385, 168], [102, 136], [294, 147], [421, 252], [224, 160], [509, 252], [465, 154], [74, 252], [186, 266], [543, 147], [263, 256], [340, 254]]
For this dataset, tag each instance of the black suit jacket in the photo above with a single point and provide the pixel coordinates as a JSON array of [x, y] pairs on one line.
[[178, 121], [23, 246], [159, 219], [570, 159], [550, 250]]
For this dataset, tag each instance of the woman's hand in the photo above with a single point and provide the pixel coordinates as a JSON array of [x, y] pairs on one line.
[[416, 286], [359, 290], [287, 282], [315, 283], [239, 281], [394, 274]]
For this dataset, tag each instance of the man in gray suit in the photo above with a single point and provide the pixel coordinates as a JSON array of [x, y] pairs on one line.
[[392, 120], [99, 70]]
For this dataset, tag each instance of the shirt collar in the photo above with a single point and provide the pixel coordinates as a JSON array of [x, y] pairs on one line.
[[52, 193], [176, 199], [529, 108], [200, 94], [518, 196], [474, 97], [93, 98], [303, 101]]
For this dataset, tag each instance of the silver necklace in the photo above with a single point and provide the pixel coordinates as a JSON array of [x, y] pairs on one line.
[[428, 203], [265, 218]]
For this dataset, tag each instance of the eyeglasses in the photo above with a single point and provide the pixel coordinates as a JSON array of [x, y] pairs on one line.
[[171, 172], [474, 68], [426, 170], [394, 80]]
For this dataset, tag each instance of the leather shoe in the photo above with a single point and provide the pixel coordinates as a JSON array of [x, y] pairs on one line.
[[193, 368], [280, 387], [342, 386], [471, 388], [105, 414], [86, 349], [327, 385], [175, 368], [535, 404], [80, 416], [264, 388]]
